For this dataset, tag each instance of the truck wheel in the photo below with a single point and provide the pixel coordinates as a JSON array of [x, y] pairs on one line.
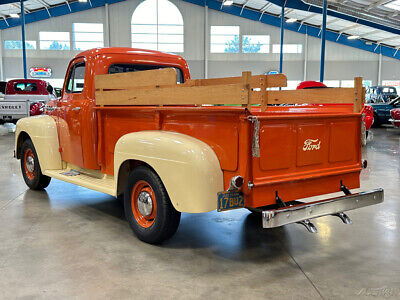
[[148, 208], [30, 167]]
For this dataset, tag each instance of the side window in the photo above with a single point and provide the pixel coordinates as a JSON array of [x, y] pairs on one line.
[[76, 79]]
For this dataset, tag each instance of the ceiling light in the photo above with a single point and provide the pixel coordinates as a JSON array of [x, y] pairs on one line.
[[227, 2], [353, 37], [14, 15], [291, 20], [82, 0]]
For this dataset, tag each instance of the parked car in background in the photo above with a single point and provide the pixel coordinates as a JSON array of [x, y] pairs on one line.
[[395, 117], [380, 94], [368, 117], [23, 98], [381, 111]]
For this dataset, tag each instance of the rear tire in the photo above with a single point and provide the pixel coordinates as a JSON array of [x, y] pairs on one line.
[[148, 208], [30, 167]]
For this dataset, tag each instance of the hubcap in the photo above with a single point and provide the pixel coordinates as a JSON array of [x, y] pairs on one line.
[[145, 203], [30, 163]]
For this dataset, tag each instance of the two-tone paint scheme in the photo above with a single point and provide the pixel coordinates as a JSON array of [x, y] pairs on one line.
[[292, 152]]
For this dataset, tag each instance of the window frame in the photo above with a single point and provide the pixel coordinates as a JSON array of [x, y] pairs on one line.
[[72, 73], [47, 40], [223, 52], [74, 33]]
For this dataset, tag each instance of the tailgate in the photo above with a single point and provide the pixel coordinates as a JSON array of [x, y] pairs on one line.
[[304, 155], [14, 108]]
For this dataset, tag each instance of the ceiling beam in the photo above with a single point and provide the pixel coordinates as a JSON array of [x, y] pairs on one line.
[[377, 3], [395, 37], [354, 26], [244, 5], [17, 5], [308, 17], [370, 33]]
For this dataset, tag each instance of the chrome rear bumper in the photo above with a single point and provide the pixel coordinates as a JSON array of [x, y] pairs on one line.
[[333, 206]]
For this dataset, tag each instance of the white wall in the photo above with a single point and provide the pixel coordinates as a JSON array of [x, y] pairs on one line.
[[342, 62]]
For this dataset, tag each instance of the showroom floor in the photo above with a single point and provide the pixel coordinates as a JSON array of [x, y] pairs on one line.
[[68, 242]]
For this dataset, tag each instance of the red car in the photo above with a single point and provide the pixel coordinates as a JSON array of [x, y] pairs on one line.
[[395, 117], [368, 117]]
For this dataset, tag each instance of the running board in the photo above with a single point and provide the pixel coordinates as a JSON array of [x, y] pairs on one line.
[[104, 184]]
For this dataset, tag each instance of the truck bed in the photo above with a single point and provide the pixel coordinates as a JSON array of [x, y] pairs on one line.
[[279, 162]]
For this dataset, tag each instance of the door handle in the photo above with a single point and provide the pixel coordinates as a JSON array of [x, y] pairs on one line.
[[76, 109]]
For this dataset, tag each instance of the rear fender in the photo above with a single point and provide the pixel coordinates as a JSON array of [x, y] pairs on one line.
[[42, 130], [188, 167]]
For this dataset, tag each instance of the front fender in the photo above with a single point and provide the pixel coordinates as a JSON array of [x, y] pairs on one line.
[[42, 130], [188, 167]]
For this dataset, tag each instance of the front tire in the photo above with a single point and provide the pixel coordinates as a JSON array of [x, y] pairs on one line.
[[30, 167], [148, 208]]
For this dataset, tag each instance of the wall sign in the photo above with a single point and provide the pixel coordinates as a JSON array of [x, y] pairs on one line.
[[40, 72], [272, 72]]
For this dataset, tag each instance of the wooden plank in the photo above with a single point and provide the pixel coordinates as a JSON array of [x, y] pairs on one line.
[[167, 76], [178, 95], [323, 95], [359, 94], [274, 80], [246, 78]]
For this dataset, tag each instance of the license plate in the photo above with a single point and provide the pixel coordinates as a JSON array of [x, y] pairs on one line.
[[230, 200]]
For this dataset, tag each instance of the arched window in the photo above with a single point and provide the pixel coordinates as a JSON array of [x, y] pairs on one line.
[[157, 25]]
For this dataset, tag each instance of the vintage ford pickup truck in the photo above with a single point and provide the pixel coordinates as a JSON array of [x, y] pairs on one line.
[[131, 122]]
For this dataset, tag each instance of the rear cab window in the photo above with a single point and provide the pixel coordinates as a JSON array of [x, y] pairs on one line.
[[25, 87], [124, 68]]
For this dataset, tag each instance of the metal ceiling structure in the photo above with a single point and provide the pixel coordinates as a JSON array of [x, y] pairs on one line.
[[374, 25], [381, 38], [371, 20]]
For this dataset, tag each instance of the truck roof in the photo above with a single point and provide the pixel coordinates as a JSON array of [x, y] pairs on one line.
[[127, 50]]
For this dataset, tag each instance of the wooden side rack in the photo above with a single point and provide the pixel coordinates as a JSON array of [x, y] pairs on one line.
[[160, 87]]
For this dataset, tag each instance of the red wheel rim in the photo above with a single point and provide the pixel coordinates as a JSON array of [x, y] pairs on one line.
[[144, 204], [29, 164]]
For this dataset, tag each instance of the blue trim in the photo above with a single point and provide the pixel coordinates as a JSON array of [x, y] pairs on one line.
[[23, 40], [282, 36], [56, 11], [310, 30], [323, 39]]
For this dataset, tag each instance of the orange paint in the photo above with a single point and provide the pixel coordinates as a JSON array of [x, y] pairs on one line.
[[304, 150]]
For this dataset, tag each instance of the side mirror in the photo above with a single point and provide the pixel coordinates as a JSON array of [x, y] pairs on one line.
[[50, 89]]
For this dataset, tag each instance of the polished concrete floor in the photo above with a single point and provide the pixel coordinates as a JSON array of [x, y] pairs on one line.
[[70, 242]]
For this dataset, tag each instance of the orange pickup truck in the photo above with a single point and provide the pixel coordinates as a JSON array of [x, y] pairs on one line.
[[133, 123]]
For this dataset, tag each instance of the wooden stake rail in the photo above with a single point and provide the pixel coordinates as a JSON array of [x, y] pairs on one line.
[[159, 87]]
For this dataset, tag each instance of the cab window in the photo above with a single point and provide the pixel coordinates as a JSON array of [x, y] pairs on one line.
[[76, 78], [25, 87], [123, 68]]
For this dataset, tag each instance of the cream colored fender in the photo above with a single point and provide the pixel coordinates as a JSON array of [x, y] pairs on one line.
[[42, 130], [188, 167]]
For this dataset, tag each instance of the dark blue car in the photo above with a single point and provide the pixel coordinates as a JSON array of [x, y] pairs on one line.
[[382, 111], [379, 94]]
